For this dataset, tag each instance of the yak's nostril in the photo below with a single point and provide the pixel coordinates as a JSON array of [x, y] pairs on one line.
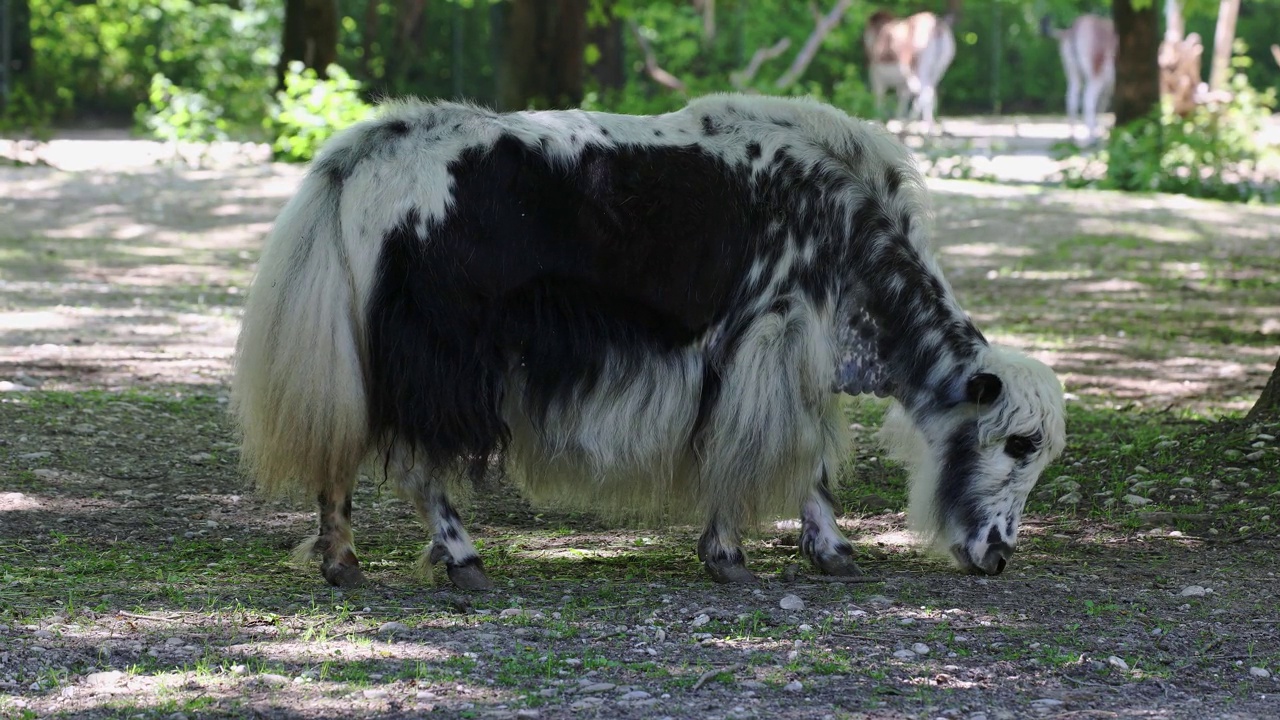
[[997, 558]]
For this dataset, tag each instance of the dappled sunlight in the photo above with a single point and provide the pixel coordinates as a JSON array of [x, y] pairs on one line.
[[1139, 229]]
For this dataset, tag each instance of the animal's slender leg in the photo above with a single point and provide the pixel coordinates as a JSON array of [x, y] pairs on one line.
[[820, 538], [720, 550], [1092, 93], [450, 543], [335, 542]]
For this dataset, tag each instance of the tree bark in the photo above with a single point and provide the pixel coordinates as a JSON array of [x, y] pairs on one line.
[[610, 70], [16, 45], [1268, 405], [1223, 37], [542, 61], [1137, 70], [404, 62], [823, 26], [310, 35]]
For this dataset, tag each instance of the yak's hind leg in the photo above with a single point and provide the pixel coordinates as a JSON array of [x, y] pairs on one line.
[[820, 538], [426, 488], [335, 544]]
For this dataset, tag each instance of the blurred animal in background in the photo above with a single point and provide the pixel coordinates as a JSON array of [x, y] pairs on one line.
[[909, 56], [1088, 49], [1180, 72]]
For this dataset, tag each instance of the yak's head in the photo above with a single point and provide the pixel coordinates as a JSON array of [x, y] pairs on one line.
[[975, 453]]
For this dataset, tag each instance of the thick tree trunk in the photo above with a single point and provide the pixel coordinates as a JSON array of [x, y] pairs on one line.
[[542, 60], [1137, 71], [610, 70], [15, 47], [310, 35], [1268, 405], [1223, 37]]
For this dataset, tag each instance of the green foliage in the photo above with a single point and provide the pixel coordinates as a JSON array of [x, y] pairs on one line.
[[101, 57], [311, 110], [176, 114], [1212, 153]]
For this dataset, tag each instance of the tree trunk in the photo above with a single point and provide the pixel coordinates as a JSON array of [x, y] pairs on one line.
[[609, 70], [1137, 71], [310, 35], [542, 61], [15, 47], [1223, 37], [404, 63], [1268, 405]]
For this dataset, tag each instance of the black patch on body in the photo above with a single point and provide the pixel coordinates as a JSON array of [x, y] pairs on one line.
[[630, 253]]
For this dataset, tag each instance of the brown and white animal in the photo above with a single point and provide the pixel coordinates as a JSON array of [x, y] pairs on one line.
[[909, 56], [652, 317], [1180, 72], [1088, 48]]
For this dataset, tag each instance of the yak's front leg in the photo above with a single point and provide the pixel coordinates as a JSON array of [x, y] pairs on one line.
[[820, 538], [450, 543], [720, 550]]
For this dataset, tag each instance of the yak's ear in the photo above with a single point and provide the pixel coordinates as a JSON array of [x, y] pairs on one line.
[[983, 389]]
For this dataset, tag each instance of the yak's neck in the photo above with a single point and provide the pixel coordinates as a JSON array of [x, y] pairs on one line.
[[926, 341]]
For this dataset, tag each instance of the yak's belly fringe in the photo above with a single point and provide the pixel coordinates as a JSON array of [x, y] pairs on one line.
[[618, 448], [776, 421], [625, 448]]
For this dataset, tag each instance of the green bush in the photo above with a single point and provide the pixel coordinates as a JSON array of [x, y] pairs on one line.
[[311, 110]]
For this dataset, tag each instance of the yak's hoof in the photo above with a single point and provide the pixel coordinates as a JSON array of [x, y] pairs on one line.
[[837, 564], [731, 573], [469, 577], [345, 576]]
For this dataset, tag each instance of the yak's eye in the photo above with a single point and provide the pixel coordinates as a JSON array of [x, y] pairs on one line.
[[1020, 446]]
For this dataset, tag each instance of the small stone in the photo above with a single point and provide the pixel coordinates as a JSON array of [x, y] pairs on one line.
[[486, 637], [35, 455], [1071, 498], [791, 602], [701, 620], [511, 612], [45, 473], [110, 678], [597, 687], [904, 654], [635, 695], [1254, 456], [920, 649], [1136, 500], [805, 627], [585, 703], [239, 669], [794, 686], [1259, 672], [393, 627], [199, 457], [573, 662], [374, 694], [273, 679], [174, 642], [1232, 454], [1193, 591], [1047, 703], [83, 429], [43, 634], [1118, 663], [528, 713]]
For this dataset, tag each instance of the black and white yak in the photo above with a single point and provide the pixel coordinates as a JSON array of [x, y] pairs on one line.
[[651, 317]]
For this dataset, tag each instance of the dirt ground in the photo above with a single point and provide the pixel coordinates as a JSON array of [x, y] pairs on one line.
[[141, 577]]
